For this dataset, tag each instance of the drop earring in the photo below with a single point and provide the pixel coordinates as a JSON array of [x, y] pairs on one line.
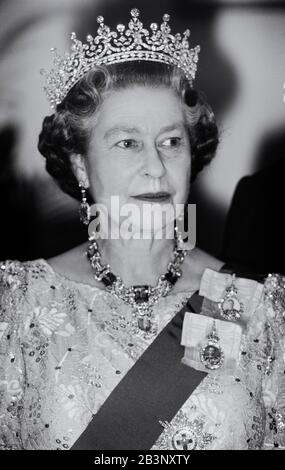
[[84, 209], [178, 235]]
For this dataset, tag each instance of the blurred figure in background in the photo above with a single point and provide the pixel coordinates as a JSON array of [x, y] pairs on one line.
[[255, 231]]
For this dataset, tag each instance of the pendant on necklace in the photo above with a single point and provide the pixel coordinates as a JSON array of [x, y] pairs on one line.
[[143, 315], [141, 307], [144, 327], [144, 322]]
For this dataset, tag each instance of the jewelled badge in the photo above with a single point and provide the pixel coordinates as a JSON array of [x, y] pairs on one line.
[[184, 434], [212, 355], [230, 307], [184, 439]]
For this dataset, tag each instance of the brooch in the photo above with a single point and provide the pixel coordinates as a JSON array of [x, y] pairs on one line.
[[230, 307], [183, 434], [211, 345], [212, 355]]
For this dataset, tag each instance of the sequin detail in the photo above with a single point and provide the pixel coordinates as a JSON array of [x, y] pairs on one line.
[[63, 350]]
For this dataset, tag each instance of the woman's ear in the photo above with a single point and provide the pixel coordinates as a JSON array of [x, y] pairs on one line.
[[79, 169]]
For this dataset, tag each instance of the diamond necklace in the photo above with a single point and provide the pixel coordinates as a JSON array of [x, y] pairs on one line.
[[140, 297]]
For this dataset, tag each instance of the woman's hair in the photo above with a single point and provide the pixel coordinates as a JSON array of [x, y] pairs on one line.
[[67, 131]]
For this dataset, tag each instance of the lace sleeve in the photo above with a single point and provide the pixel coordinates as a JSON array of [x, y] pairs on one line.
[[11, 359], [274, 384]]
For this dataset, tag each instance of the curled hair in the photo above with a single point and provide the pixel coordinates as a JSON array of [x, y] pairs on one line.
[[66, 132]]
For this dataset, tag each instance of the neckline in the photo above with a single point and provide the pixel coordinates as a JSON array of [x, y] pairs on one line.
[[95, 288], [66, 278]]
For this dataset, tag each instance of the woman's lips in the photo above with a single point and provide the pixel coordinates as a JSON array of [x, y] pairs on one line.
[[153, 197]]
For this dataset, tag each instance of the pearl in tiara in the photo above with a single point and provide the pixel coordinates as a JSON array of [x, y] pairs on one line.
[[131, 43]]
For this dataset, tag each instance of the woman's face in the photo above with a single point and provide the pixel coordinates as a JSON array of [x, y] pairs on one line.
[[139, 145]]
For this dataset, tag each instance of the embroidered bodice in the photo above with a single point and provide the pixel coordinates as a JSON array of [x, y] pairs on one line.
[[64, 346]]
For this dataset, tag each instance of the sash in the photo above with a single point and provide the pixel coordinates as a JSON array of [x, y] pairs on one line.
[[154, 389]]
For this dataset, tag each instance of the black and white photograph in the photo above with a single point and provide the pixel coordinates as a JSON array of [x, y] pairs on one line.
[[142, 260]]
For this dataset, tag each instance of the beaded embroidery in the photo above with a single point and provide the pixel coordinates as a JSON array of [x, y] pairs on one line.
[[63, 351]]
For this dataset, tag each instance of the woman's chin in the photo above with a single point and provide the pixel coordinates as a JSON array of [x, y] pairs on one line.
[[148, 233]]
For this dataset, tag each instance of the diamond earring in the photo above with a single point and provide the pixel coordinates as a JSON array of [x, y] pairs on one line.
[[84, 209], [178, 235]]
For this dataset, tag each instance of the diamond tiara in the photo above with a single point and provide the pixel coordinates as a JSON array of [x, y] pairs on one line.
[[131, 43]]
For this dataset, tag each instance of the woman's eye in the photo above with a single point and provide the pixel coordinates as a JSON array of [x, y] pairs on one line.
[[127, 143], [172, 142]]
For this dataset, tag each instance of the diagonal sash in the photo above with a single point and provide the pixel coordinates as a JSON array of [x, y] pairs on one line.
[[154, 389]]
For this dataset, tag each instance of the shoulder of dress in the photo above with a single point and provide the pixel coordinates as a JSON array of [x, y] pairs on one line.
[[22, 287], [11, 272], [274, 293], [15, 274], [12, 292], [274, 387]]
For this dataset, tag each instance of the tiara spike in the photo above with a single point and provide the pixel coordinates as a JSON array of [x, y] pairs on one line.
[[132, 42], [135, 13], [154, 26], [121, 28]]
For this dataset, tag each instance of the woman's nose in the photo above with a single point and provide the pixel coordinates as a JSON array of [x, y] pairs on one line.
[[153, 163]]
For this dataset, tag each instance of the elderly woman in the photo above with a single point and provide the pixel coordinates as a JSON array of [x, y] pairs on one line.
[[117, 350]]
